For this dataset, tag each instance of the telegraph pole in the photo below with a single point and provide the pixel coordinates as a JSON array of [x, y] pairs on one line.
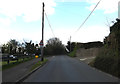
[[42, 58]]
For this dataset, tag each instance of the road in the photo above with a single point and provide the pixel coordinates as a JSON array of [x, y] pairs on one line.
[[15, 73], [66, 69]]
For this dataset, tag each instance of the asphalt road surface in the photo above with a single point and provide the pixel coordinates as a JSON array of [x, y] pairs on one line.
[[66, 69]]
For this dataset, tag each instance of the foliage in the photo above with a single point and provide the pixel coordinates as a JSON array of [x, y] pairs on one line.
[[10, 47], [73, 53], [30, 48], [108, 58], [54, 47], [72, 44], [13, 47]]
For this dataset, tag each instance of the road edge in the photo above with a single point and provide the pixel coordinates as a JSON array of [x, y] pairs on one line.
[[100, 70], [28, 74]]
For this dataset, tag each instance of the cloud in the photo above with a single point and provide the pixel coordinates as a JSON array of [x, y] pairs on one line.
[[108, 6], [119, 10], [69, 0], [6, 34], [91, 33], [64, 34], [30, 10], [85, 34], [5, 21]]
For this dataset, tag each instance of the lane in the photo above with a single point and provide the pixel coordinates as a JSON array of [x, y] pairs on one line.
[[66, 69]]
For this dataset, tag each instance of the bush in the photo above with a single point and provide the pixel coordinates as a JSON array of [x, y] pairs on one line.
[[107, 61], [108, 58], [73, 53]]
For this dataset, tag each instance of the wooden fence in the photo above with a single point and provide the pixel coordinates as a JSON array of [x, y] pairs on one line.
[[6, 57]]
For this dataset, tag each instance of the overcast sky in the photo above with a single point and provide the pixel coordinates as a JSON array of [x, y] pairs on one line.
[[21, 19]]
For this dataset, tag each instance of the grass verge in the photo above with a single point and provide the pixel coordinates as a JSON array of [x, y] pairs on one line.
[[14, 63], [73, 53], [39, 63]]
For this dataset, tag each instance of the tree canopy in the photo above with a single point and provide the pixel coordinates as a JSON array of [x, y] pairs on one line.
[[54, 47], [14, 47]]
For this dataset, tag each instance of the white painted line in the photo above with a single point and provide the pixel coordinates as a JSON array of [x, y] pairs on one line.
[[87, 58], [83, 59]]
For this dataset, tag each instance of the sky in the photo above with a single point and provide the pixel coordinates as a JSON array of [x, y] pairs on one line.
[[22, 20]]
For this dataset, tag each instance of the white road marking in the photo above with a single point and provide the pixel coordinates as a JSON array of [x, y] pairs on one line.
[[87, 58]]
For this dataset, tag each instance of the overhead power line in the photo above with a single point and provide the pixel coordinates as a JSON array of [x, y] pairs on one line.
[[87, 17], [53, 32], [49, 24]]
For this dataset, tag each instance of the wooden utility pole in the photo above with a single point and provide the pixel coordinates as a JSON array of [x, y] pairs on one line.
[[42, 57]]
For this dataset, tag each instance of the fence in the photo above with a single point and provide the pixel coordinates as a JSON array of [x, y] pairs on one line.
[[7, 58]]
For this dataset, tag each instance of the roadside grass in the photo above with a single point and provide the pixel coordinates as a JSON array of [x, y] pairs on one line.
[[14, 63], [73, 53], [39, 63]]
